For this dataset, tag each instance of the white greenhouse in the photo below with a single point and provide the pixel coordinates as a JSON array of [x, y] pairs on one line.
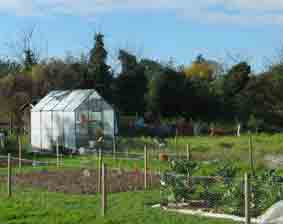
[[73, 118]]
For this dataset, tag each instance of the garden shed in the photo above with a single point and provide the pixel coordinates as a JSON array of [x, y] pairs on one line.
[[73, 118]]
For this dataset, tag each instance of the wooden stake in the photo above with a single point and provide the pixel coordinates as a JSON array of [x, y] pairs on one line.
[[188, 152], [57, 154], [247, 200], [99, 171], [114, 148], [176, 139], [61, 159], [251, 155], [9, 178], [127, 153], [10, 125], [20, 152], [145, 167], [103, 190]]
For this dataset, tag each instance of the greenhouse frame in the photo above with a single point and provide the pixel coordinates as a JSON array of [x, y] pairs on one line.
[[72, 119]]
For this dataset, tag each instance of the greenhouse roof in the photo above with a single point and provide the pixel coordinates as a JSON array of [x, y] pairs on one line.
[[68, 100]]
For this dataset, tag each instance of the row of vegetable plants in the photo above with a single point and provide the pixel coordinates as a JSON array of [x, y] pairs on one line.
[[219, 187]]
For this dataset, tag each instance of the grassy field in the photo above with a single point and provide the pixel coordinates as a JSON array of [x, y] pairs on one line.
[[233, 149], [132, 207], [30, 205], [203, 147], [37, 207], [214, 148]]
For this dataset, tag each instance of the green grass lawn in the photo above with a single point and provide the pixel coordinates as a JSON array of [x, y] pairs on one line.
[[208, 143], [220, 148], [204, 148], [213, 148], [56, 208]]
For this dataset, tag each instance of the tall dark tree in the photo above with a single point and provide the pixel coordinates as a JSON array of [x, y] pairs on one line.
[[263, 96], [234, 82], [99, 74], [201, 100], [200, 59], [166, 93], [152, 68], [29, 60], [131, 85]]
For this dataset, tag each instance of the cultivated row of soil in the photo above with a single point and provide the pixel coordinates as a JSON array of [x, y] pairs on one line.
[[84, 181]]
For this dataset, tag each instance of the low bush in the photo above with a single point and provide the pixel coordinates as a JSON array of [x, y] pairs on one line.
[[266, 188]]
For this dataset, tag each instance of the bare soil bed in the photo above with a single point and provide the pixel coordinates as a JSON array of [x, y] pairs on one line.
[[14, 163], [84, 181]]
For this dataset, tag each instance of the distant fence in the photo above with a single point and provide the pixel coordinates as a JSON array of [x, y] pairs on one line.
[[27, 179]]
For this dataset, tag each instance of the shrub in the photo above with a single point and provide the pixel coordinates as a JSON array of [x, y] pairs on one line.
[[183, 166], [233, 198], [265, 190], [11, 145], [175, 188], [254, 124], [227, 170]]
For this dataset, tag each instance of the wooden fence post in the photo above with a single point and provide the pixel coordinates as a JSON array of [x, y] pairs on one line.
[[176, 140], [127, 153], [9, 177], [145, 167], [247, 200], [251, 155], [61, 159], [99, 171], [57, 154], [103, 189], [189, 152], [20, 152], [114, 148], [10, 125]]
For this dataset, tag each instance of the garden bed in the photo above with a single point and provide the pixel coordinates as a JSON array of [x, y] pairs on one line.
[[84, 181], [14, 163]]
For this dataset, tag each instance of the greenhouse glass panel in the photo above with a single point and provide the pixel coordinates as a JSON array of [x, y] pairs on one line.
[[95, 103], [78, 99], [46, 130], [108, 123], [35, 120], [58, 127], [82, 130], [44, 101], [105, 106], [36, 138], [65, 101], [95, 116], [56, 99], [69, 130], [35, 130]]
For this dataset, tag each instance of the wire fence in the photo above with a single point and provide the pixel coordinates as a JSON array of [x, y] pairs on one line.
[[241, 197], [41, 181], [214, 194]]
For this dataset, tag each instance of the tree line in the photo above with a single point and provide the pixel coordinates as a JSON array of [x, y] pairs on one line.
[[202, 90]]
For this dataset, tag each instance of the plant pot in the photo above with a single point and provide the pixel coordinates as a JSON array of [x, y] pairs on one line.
[[163, 157]]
